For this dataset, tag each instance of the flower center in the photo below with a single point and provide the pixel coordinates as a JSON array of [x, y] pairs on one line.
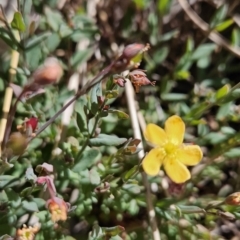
[[170, 148]]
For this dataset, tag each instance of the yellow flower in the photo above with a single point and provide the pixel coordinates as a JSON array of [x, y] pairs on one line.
[[170, 151], [27, 233]]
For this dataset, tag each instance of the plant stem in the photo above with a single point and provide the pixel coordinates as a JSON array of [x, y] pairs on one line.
[[106, 72], [137, 134], [9, 93]]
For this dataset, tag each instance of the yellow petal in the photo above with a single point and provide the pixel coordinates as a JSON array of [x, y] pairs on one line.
[[155, 135], [177, 171], [175, 128], [189, 154], [153, 161]]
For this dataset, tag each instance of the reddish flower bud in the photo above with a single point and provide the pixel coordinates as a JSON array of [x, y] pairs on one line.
[[139, 78], [32, 122], [100, 100], [49, 73], [133, 50], [233, 199], [119, 80]]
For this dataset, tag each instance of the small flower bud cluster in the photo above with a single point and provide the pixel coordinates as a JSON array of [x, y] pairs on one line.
[[139, 78]]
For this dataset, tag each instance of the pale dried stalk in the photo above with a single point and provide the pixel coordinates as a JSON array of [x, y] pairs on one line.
[[137, 134], [80, 74], [9, 92], [211, 34]]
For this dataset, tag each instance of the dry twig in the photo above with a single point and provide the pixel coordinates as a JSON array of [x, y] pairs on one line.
[[213, 35], [137, 134]]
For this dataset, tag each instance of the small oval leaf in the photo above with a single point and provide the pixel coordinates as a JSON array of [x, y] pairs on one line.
[[107, 140]]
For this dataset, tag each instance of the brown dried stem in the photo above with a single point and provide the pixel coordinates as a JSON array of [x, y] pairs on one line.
[[211, 34]]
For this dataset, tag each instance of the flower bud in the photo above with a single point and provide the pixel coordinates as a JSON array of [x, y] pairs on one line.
[[100, 100], [32, 122], [119, 80], [49, 73], [17, 143], [233, 199], [132, 50]]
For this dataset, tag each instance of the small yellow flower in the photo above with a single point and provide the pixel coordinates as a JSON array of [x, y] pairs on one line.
[[27, 233], [170, 151]]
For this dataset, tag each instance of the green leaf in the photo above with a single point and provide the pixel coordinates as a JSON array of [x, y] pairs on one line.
[[81, 123], [174, 96], [224, 25], [168, 36], [95, 92], [27, 11], [94, 108], [40, 202], [88, 159], [30, 206], [52, 42], [232, 153], [140, 4], [107, 140], [132, 188], [235, 37], [133, 207], [190, 209], [54, 18], [160, 55], [36, 40], [120, 114], [14, 198], [3, 197], [231, 96], [26, 192], [8, 181], [94, 177], [163, 6], [214, 204], [90, 177], [113, 231], [81, 56], [132, 172], [18, 22], [7, 37], [219, 16], [222, 92], [203, 51], [182, 74]]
